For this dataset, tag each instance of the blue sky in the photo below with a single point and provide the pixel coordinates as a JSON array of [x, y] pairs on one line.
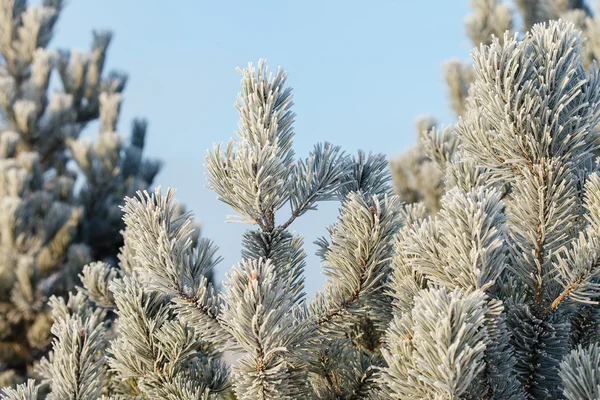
[[361, 72]]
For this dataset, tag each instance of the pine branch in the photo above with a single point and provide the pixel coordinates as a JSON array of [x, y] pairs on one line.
[[357, 260], [162, 249]]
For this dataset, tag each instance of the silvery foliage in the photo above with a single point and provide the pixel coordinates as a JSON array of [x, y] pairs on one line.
[[49, 230], [496, 296], [129, 331], [166, 326], [489, 18], [257, 175], [28, 391]]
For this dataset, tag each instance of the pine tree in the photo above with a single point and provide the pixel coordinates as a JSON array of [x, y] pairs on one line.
[[494, 297], [515, 235], [172, 325], [55, 218]]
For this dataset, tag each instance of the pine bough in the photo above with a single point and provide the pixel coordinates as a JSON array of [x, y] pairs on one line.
[[495, 297]]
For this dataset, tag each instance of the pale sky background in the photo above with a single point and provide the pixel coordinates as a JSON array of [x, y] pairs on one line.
[[361, 72]]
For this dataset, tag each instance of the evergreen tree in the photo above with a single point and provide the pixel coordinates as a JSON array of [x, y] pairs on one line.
[[55, 215], [516, 232], [494, 297]]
